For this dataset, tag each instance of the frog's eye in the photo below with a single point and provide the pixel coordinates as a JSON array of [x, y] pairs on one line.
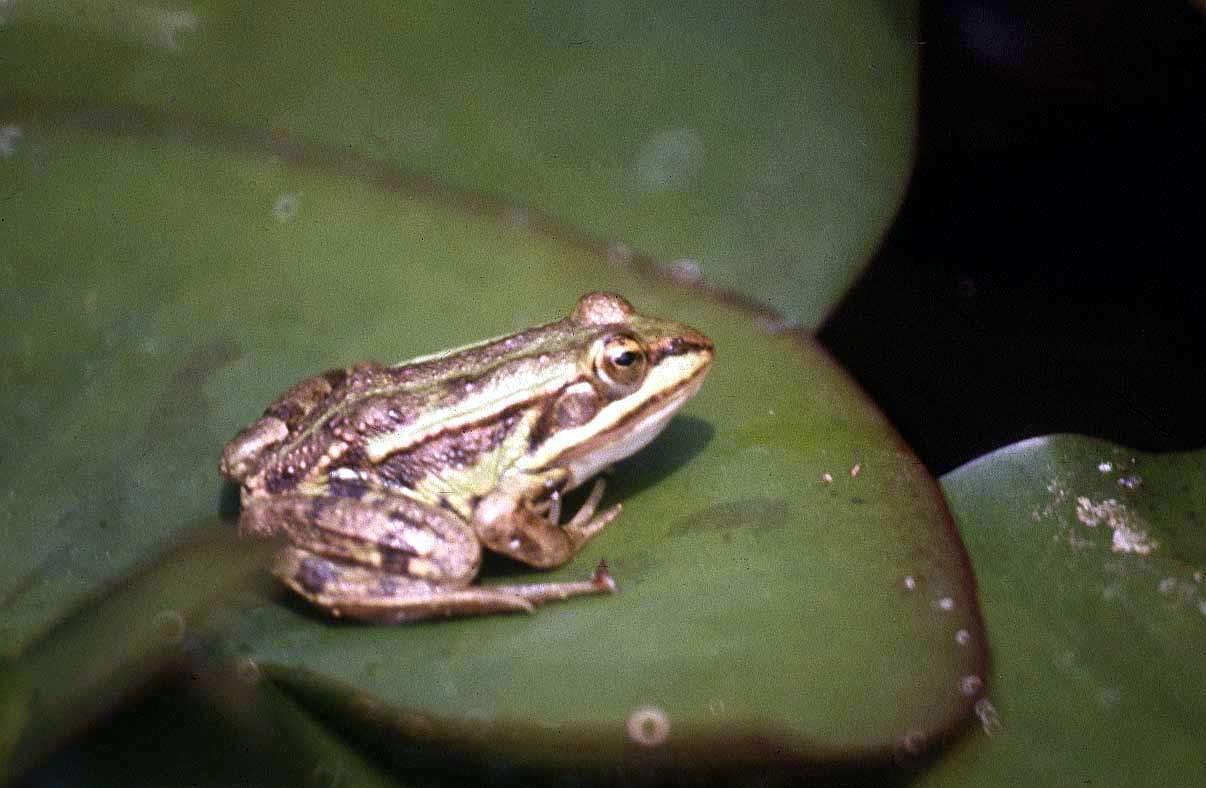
[[620, 364]]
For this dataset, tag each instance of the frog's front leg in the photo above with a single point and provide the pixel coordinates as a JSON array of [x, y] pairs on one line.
[[510, 522]]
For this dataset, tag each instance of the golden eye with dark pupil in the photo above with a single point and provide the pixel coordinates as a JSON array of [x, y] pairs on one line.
[[625, 359], [621, 364]]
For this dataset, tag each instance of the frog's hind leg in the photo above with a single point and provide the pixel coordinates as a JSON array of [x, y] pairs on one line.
[[368, 595]]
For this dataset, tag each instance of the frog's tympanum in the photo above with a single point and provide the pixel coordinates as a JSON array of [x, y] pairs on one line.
[[387, 481]]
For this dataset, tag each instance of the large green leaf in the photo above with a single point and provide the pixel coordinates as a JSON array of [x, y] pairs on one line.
[[792, 588], [767, 144], [1090, 561], [109, 647]]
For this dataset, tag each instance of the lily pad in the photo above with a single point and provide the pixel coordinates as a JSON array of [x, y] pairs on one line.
[[1090, 559], [109, 647], [791, 586], [767, 144]]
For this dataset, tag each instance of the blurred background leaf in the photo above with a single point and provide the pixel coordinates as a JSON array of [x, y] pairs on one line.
[[108, 648], [1089, 559], [768, 146]]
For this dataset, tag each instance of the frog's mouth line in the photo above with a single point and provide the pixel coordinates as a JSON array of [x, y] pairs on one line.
[[629, 436]]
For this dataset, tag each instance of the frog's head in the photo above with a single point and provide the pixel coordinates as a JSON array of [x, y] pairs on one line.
[[634, 372]]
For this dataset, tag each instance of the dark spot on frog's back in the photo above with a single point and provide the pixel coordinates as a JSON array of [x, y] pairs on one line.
[[757, 513], [315, 573], [456, 450], [387, 587], [395, 559], [279, 479]]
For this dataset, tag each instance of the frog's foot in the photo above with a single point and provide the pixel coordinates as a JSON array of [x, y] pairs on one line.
[[601, 582], [585, 523], [379, 597]]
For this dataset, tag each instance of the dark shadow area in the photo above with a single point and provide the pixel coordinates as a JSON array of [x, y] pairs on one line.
[[165, 736], [683, 438], [416, 761], [228, 502], [173, 734], [1045, 272]]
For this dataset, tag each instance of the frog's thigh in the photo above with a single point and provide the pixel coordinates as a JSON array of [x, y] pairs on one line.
[[378, 530], [305, 395], [384, 598]]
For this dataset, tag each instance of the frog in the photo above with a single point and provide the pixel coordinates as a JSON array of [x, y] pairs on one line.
[[388, 482]]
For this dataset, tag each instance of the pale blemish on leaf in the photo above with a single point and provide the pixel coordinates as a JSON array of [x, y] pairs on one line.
[[685, 271], [648, 726], [670, 160], [1130, 530], [1059, 493], [285, 207], [990, 721], [10, 135], [162, 28]]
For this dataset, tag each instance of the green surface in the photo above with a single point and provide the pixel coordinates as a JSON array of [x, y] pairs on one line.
[[1095, 602], [768, 144], [201, 204], [110, 646], [764, 612]]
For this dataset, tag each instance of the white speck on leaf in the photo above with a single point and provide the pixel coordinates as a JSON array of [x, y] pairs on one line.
[[248, 670], [769, 324], [990, 721], [685, 270], [170, 626], [619, 253], [9, 137], [912, 744], [669, 160], [518, 217], [285, 207], [648, 726], [163, 27]]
